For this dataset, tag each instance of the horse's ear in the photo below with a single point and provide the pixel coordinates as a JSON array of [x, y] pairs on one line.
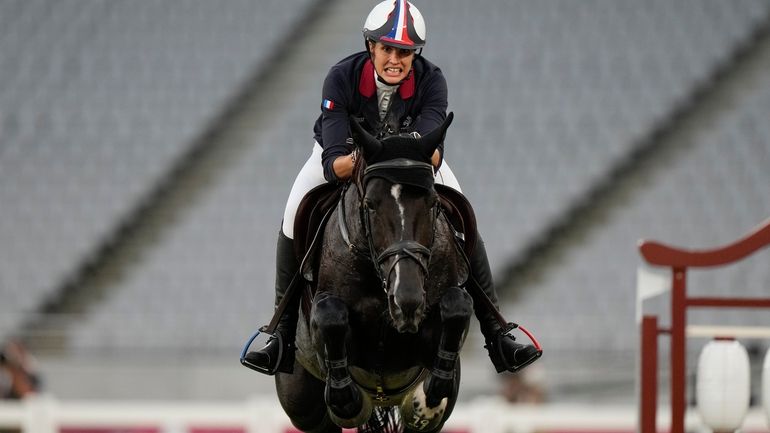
[[431, 140], [364, 140]]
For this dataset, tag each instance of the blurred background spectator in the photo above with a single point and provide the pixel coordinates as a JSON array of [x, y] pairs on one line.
[[524, 387], [18, 374]]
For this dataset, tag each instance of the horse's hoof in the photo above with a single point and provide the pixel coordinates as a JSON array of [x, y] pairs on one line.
[[418, 415], [348, 407], [436, 390]]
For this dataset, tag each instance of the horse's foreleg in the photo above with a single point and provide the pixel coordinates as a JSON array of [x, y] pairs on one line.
[[347, 405], [429, 405], [456, 308]]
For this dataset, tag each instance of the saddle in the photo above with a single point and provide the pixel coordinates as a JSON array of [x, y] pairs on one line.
[[312, 214], [460, 214]]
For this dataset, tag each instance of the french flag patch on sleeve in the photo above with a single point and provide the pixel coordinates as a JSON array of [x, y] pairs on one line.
[[328, 104]]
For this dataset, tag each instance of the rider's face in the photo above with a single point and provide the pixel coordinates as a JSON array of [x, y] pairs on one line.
[[392, 64]]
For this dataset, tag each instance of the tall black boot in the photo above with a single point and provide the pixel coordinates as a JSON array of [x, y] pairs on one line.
[[273, 358], [504, 351]]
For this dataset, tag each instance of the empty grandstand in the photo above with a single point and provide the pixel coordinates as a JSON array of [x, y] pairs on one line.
[[147, 149]]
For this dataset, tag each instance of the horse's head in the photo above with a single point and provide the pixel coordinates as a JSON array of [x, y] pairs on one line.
[[399, 207]]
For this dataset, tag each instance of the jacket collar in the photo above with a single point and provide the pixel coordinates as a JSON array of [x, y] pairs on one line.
[[367, 87]]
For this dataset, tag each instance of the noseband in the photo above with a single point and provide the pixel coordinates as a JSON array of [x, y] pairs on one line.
[[398, 171]]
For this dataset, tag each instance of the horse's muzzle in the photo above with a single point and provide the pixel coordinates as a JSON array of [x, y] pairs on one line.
[[407, 312], [407, 268]]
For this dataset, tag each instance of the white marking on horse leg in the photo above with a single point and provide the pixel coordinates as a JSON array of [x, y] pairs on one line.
[[423, 415]]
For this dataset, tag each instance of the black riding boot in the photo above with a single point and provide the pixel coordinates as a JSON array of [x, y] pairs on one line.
[[273, 357], [504, 351]]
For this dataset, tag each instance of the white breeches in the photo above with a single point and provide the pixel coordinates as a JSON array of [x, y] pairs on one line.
[[311, 175]]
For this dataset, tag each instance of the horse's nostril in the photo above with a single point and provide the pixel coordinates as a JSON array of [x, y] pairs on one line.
[[407, 313], [410, 310], [409, 301]]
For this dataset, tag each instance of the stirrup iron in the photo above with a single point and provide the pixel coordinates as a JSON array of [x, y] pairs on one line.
[[268, 371]]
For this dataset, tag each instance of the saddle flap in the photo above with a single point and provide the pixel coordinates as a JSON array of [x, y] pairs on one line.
[[311, 217], [310, 213], [460, 214]]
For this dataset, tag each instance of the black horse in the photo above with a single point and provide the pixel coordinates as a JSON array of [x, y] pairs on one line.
[[389, 315]]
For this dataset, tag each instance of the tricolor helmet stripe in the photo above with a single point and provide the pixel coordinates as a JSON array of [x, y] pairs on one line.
[[397, 23], [399, 32]]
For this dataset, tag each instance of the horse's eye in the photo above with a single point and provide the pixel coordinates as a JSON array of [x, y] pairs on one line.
[[368, 205]]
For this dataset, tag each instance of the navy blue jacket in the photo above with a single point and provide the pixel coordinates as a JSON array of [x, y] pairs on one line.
[[420, 105]]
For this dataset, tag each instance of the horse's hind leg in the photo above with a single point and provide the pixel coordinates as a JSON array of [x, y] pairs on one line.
[[300, 395], [348, 406]]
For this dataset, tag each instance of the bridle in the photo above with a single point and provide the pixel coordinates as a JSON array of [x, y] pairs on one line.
[[398, 171]]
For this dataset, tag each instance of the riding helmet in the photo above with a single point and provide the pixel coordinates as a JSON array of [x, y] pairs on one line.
[[397, 23]]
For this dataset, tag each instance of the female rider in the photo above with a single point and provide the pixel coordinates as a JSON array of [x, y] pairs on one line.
[[396, 91]]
